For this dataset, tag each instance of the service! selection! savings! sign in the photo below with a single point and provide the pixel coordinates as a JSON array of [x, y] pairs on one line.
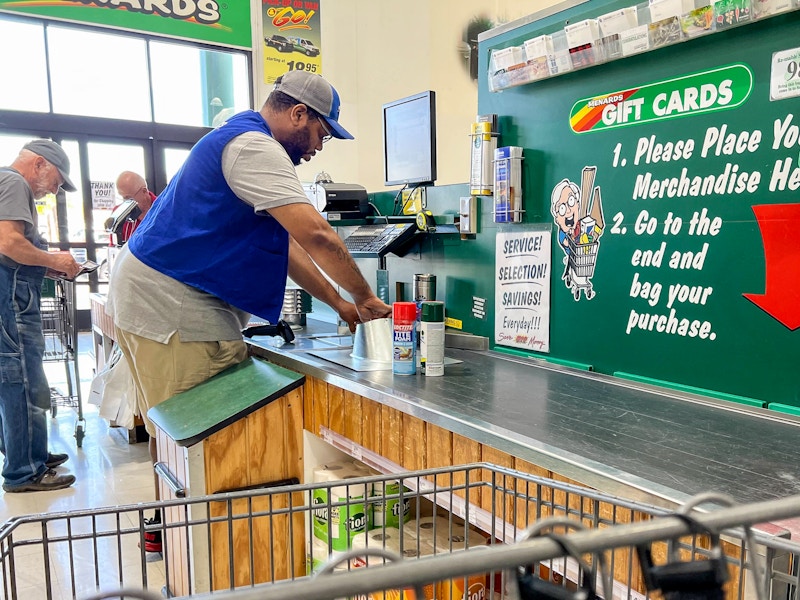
[[522, 289]]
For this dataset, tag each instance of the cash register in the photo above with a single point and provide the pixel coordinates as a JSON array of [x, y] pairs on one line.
[[346, 201]]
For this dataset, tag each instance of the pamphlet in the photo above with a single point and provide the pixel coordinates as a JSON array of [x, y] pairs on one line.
[[484, 141], [666, 31], [731, 12], [698, 22], [88, 266], [635, 40]]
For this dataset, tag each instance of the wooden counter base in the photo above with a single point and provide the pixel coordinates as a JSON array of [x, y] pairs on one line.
[[247, 453]]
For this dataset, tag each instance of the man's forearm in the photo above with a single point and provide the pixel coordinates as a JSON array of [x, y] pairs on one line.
[[305, 273], [16, 247], [321, 243]]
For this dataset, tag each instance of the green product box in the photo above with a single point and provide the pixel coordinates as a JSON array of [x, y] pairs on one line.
[[386, 505], [338, 524]]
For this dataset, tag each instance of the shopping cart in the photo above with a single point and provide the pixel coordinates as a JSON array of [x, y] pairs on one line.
[[240, 541], [60, 328], [581, 261]]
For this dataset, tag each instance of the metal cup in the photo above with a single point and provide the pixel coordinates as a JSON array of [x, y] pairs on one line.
[[424, 287]]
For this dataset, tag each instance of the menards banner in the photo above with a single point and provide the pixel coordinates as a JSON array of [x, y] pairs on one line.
[[225, 23]]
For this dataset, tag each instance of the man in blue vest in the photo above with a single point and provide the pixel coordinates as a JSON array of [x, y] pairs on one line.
[[220, 241]]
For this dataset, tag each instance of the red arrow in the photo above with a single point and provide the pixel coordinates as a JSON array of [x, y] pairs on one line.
[[781, 298]]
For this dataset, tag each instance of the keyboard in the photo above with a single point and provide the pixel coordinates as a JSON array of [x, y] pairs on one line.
[[376, 240]]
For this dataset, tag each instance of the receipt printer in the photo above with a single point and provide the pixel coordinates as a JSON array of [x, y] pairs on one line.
[[343, 200]]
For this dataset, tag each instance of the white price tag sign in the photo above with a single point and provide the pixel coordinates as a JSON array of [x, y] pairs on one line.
[[784, 81]]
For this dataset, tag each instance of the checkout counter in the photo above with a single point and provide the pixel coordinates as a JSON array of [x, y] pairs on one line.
[[623, 438]]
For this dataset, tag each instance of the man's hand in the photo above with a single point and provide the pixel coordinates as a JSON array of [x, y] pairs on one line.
[[371, 308], [348, 313], [63, 262]]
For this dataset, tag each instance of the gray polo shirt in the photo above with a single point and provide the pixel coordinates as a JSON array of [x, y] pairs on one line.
[[148, 303], [17, 204]]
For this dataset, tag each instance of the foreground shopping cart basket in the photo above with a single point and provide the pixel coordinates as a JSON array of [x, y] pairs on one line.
[[247, 540]]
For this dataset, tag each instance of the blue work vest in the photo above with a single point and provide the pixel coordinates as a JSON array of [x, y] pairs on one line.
[[200, 233]]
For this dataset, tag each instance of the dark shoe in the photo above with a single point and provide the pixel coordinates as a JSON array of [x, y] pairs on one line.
[[49, 480], [152, 539], [55, 460]]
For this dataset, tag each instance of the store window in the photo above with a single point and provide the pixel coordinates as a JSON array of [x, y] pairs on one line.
[[115, 101], [117, 75], [98, 74], [173, 160], [24, 78], [191, 86]]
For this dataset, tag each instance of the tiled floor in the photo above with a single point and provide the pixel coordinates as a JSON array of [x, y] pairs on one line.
[[110, 472]]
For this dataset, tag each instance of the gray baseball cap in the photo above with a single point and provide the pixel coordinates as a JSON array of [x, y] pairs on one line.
[[55, 155], [315, 92]]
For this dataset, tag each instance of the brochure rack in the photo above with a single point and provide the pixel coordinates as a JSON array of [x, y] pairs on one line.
[[622, 33]]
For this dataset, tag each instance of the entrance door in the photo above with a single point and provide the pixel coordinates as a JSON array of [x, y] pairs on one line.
[[75, 221]]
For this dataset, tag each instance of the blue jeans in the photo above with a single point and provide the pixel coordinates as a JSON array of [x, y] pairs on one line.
[[24, 391]]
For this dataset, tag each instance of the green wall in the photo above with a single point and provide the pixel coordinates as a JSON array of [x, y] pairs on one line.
[[752, 353], [745, 351]]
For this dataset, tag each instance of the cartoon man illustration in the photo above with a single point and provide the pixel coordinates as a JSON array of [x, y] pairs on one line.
[[580, 224], [565, 207]]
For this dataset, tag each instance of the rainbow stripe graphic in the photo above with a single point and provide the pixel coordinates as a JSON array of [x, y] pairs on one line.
[[585, 118]]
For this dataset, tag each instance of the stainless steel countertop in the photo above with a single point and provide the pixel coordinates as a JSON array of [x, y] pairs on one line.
[[633, 440]]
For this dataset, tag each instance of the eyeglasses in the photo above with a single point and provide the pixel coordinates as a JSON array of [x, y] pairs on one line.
[[133, 195], [328, 135]]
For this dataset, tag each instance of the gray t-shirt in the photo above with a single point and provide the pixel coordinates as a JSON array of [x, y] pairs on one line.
[[17, 204], [153, 305]]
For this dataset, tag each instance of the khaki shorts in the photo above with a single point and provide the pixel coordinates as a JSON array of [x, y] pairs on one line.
[[161, 371]]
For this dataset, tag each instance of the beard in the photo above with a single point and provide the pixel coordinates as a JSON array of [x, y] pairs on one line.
[[297, 144], [41, 186]]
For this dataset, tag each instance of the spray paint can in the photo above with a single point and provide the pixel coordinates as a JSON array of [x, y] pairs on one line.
[[404, 342], [432, 338]]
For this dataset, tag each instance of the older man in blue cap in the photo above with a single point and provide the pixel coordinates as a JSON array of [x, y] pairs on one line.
[[41, 168]]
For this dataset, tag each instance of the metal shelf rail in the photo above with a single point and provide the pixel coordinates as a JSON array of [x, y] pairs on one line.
[[60, 329], [238, 543]]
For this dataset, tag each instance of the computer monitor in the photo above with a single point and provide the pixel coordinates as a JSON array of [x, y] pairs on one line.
[[409, 140]]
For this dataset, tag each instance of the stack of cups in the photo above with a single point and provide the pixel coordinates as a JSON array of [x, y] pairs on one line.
[[424, 287]]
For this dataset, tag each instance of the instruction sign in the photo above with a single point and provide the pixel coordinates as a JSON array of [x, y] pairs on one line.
[[522, 290], [688, 274]]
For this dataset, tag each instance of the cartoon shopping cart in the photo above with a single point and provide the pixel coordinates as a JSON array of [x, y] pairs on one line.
[[580, 262]]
